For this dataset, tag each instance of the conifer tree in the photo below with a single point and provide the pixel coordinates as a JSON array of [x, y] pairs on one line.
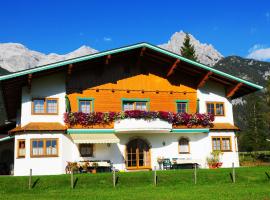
[[187, 50]]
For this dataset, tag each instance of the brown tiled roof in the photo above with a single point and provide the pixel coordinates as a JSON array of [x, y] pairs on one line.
[[39, 126], [224, 126]]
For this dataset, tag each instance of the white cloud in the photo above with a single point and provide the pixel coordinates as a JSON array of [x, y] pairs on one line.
[[259, 52], [107, 39]]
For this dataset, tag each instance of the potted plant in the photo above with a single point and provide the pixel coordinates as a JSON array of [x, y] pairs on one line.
[[95, 166], [85, 166], [214, 160]]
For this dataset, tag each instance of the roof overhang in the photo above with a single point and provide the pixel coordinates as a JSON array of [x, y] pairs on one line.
[[118, 50], [39, 126]]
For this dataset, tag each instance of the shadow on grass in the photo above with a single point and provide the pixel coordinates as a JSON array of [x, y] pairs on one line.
[[117, 180], [75, 182], [35, 183], [268, 176]]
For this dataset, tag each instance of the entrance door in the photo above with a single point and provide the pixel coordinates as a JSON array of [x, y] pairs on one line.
[[138, 154]]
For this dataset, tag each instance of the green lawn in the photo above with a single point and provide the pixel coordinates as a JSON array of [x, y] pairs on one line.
[[251, 183]]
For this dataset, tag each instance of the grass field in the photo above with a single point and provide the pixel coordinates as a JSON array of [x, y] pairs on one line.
[[251, 183]]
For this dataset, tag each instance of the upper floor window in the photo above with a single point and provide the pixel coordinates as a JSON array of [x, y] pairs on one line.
[[181, 106], [85, 106], [21, 149], [135, 105], [45, 106], [183, 146], [215, 108], [44, 147], [221, 143]]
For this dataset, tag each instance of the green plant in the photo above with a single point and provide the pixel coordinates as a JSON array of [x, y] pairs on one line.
[[95, 165], [214, 158]]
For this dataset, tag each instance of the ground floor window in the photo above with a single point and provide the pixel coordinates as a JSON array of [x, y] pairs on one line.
[[221, 143], [86, 150], [44, 147], [21, 149], [183, 146]]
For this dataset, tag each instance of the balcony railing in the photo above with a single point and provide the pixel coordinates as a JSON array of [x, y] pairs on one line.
[[103, 118]]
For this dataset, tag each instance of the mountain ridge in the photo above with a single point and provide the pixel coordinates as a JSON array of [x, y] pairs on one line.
[[16, 57]]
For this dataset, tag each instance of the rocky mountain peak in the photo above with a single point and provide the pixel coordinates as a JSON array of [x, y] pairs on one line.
[[17, 57], [206, 53]]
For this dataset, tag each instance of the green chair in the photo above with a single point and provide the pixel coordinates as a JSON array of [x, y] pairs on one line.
[[167, 164]]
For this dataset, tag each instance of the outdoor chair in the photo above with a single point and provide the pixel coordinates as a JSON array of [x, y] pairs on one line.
[[167, 164]]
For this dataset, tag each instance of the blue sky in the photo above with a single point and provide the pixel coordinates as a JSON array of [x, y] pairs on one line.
[[233, 27]]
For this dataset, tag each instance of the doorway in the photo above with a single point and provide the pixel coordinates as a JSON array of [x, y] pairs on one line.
[[138, 154]]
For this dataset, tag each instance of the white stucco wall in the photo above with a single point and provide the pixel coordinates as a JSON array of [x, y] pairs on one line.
[[200, 148], [43, 165], [215, 92], [43, 87]]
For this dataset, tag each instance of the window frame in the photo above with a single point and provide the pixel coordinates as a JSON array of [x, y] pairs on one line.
[[18, 148], [185, 138], [221, 143], [215, 103], [134, 100], [45, 106], [182, 101], [92, 100], [85, 156], [44, 148]]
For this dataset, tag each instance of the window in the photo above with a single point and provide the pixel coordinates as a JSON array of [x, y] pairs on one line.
[[181, 107], [221, 143], [183, 146], [39, 106], [215, 108], [21, 149], [86, 150], [45, 106], [85, 106], [51, 106], [135, 105], [44, 147]]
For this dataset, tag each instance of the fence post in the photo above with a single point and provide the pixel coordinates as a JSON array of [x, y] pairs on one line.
[[195, 173], [233, 172], [114, 179], [155, 176], [72, 179], [30, 180]]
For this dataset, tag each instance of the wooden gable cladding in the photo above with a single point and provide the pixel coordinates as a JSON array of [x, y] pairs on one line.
[[161, 94]]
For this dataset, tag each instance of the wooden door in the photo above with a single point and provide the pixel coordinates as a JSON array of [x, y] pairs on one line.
[[138, 154]]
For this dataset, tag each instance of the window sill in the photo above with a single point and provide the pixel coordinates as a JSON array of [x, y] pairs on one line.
[[224, 151], [44, 113], [87, 156], [20, 157], [44, 156]]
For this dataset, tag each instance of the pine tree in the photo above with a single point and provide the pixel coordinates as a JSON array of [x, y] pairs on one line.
[[187, 50]]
